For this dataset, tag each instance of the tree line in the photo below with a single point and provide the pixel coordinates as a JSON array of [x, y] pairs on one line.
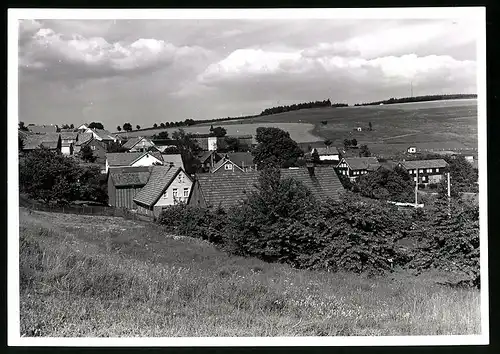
[[419, 99], [296, 107]]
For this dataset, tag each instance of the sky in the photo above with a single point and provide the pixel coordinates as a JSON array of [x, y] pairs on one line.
[[153, 71]]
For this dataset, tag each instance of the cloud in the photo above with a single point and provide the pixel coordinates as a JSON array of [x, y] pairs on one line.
[[76, 55]]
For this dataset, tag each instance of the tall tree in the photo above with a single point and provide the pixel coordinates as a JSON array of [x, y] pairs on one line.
[[188, 147], [155, 125], [347, 143], [138, 127], [22, 126], [119, 128], [72, 126], [127, 127], [364, 151], [162, 125], [96, 125], [395, 185], [327, 143], [370, 126], [218, 132], [275, 148], [87, 154], [354, 142]]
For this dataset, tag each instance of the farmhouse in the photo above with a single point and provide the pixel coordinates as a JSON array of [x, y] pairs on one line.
[[138, 144], [327, 153], [68, 140], [83, 128], [123, 159], [50, 141], [103, 135], [428, 171], [42, 129], [124, 183], [226, 190], [226, 166], [354, 167], [166, 186], [243, 160]]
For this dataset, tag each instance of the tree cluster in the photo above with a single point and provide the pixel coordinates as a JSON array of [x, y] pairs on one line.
[[419, 99], [350, 143], [296, 107], [217, 131], [385, 184], [96, 125], [275, 148], [53, 177]]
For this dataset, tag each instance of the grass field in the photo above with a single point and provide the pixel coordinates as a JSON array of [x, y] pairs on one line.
[[439, 125], [103, 276]]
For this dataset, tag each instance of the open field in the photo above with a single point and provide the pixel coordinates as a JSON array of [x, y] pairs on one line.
[[104, 276], [439, 125]]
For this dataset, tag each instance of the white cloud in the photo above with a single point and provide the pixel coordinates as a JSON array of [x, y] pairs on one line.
[[48, 49]]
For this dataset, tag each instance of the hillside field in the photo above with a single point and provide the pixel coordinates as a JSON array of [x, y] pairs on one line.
[[105, 276], [438, 125]]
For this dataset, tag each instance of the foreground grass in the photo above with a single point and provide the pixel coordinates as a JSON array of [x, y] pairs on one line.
[[102, 276]]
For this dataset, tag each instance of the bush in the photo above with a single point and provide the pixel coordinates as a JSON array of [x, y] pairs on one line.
[[433, 185]]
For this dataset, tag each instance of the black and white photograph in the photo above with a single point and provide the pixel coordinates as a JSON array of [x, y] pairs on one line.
[[236, 177]]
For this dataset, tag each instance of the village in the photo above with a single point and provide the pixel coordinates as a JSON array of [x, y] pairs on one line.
[[146, 174]]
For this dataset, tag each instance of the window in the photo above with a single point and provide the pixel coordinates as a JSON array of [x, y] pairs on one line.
[[437, 169], [429, 170], [93, 147], [415, 179], [174, 192], [421, 171], [228, 166], [180, 178], [165, 194], [186, 192]]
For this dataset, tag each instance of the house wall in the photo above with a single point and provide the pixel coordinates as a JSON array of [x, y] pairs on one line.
[[99, 150], [111, 192], [179, 184], [146, 160], [67, 150], [334, 157], [139, 146], [196, 198], [122, 197], [234, 168], [427, 175], [212, 143]]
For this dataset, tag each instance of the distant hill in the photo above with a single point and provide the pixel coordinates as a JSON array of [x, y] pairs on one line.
[[419, 99]]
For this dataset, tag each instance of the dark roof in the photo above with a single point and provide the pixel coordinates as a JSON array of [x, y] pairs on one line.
[[204, 155], [332, 150], [132, 142], [84, 138], [165, 142], [159, 180], [33, 141], [324, 184], [388, 164], [226, 189], [415, 164], [127, 158], [362, 163], [129, 176], [241, 158], [42, 129], [68, 135], [176, 159]]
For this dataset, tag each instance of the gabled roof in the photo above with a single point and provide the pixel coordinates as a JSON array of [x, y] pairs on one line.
[[324, 184], [133, 142], [159, 180], [104, 134], [242, 159], [226, 189], [84, 138], [128, 158], [175, 159], [362, 163], [42, 129], [129, 176], [49, 141], [415, 164], [222, 162], [203, 156], [69, 135]]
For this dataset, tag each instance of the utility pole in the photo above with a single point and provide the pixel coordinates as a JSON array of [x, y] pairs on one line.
[[416, 189]]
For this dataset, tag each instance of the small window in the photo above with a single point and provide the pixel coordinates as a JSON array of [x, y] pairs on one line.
[[180, 178], [165, 194], [421, 171], [93, 147], [437, 169], [228, 166], [174, 192], [186, 192]]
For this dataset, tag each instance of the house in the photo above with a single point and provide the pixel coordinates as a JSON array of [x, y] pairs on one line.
[[174, 160], [124, 183], [166, 186], [428, 171], [243, 160], [222, 190], [354, 167], [226, 166], [99, 148], [208, 159], [322, 181], [358, 129], [83, 128], [81, 139], [227, 190], [412, 150], [138, 144], [330, 154], [68, 140], [103, 135], [50, 141], [123, 159], [42, 129]]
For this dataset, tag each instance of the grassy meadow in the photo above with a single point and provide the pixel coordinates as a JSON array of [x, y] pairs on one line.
[[434, 125], [107, 277]]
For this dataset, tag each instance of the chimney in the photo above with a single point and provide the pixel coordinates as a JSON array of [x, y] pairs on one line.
[[310, 167]]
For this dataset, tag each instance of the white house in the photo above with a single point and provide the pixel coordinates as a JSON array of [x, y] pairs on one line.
[[138, 144], [212, 143], [122, 159], [327, 153], [166, 186], [412, 150]]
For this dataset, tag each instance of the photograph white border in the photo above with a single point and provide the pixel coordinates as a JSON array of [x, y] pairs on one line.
[[13, 312]]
